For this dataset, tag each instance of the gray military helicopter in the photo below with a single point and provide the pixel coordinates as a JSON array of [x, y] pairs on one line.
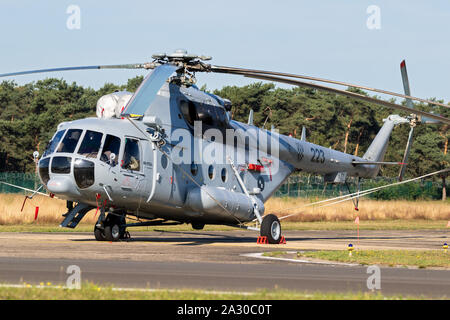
[[171, 154]]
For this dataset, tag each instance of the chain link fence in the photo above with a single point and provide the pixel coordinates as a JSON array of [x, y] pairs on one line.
[[307, 186], [312, 186], [26, 180]]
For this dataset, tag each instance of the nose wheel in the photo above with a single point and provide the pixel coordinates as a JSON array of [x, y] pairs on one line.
[[112, 229], [271, 228]]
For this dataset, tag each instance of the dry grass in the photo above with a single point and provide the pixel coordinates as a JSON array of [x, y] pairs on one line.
[[368, 210], [50, 210]]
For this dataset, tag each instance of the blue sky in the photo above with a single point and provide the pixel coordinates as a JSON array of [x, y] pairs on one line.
[[327, 39]]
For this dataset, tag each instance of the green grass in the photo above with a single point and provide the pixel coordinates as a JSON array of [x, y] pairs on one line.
[[417, 258], [93, 292], [326, 225]]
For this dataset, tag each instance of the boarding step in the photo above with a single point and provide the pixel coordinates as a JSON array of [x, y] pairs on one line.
[[74, 216]]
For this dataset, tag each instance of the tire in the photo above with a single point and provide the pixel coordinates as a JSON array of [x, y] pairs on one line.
[[112, 232], [99, 234], [198, 225], [271, 228]]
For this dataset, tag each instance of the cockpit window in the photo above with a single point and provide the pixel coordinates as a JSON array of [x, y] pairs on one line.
[[70, 141], [111, 146], [54, 143], [90, 144], [131, 156]]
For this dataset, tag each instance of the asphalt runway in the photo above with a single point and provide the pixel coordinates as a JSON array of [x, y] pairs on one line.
[[216, 261]]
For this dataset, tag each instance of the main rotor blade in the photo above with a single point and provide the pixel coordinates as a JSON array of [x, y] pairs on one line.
[[405, 81], [406, 155], [348, 94], [147, 91], [116, 66], [409, 104], [232, 70]]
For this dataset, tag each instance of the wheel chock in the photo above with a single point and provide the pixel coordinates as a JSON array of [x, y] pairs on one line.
[[262, 240]]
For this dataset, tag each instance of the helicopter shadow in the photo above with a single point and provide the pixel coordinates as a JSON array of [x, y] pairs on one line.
[[186, 238]]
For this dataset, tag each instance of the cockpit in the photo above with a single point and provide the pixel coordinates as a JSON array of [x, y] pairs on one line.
[[73, 150]]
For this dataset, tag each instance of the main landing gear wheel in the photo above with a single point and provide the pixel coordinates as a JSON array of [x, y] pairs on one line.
[[112, 232], [113, 229], [271, 228], [99, 234]]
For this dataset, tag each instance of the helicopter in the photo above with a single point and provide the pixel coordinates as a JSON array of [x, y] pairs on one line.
[[170, 153]]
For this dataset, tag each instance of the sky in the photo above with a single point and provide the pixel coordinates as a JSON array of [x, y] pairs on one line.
[[341, 40]]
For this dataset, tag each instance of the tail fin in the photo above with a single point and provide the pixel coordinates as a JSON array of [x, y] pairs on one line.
[[378, 147]]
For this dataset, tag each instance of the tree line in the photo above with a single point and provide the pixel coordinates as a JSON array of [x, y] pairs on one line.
[[30, 113]]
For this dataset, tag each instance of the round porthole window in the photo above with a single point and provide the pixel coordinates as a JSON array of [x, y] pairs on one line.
[[211, 172], [224, 174]]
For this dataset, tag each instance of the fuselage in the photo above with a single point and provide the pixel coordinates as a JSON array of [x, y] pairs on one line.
[[114, 163]]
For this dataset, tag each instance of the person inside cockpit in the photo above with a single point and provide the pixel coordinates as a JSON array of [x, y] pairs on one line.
[[111, 146], [70, 141], [131, 157]]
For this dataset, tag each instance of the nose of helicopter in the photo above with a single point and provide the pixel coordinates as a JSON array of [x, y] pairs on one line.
[[65, 176], [63, 185]]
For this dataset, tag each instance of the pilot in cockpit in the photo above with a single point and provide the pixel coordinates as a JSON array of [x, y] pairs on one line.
[[69, 143]]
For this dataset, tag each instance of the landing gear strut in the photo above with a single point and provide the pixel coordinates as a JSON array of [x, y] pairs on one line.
[[271, 228]]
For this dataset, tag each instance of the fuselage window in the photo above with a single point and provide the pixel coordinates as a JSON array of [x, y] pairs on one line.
[[211, 172], [111, 146], [224, 174], [131, 156], [51, 147], [90, 144], [70, 141]]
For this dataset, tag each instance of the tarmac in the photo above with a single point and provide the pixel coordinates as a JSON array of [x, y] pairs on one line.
[[218, 260]]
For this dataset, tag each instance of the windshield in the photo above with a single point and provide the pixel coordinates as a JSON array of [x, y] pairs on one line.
[[90, 144], [53, 143], [70, 141]]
